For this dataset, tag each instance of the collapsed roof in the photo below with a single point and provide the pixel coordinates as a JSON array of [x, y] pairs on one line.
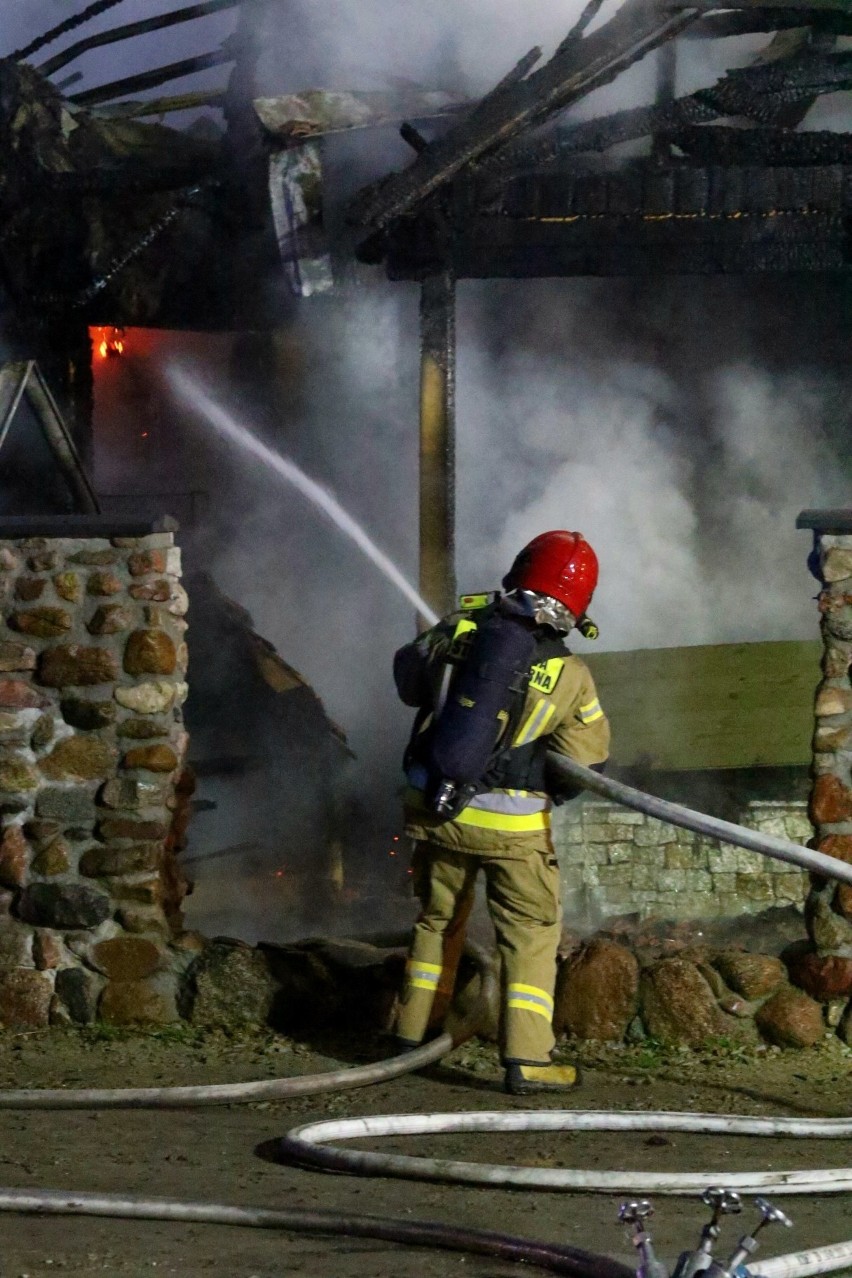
[[166, 228]]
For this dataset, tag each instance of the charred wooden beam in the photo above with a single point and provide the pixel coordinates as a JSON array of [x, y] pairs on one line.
[[131, 29], [578, 30], [761, 93], [780, 6], [721, 145], [501, 248], [638, 219], [62, 28], [759, 21], [152, 79], [164, 106], [634, 31]]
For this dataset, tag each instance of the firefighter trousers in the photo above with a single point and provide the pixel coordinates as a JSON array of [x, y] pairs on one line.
[[522, 893]]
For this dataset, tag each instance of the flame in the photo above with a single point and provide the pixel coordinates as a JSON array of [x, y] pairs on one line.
[[109, 342]]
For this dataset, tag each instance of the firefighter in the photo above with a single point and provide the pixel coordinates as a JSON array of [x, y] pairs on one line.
[[502, 824]]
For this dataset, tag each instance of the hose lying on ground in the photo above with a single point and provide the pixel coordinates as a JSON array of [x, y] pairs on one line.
[[306, 1145], [559, 1259], [301, 1142]]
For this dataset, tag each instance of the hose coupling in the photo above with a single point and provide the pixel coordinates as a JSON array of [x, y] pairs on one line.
[[748, 1244], [723, 1202], [635, 1213]]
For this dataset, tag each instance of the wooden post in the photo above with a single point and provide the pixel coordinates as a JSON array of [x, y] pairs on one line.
[[666, 94], [437, 441]]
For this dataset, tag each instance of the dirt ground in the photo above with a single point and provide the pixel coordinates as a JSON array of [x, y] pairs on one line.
[[226, 1154]]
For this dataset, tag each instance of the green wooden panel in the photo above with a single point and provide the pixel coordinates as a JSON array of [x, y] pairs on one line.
[[742, 705]]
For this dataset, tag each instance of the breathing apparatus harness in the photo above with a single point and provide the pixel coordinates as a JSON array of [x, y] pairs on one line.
[[462, 741]]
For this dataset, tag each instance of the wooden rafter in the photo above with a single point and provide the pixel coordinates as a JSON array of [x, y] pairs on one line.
[[131, 29], [584, 65], [152, 79]]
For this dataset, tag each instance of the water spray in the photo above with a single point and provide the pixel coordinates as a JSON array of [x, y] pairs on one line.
[[196, 397]]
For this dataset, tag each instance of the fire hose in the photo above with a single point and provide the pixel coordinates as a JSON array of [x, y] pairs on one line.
[[305, 1144]]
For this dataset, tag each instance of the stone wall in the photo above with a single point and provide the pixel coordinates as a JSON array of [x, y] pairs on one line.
[[92, 666], [829, 906], [615, 861]]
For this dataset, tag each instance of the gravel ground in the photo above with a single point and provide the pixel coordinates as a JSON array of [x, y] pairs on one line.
[[227, 1154]]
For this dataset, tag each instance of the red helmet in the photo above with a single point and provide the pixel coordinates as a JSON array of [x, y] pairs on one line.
[[560, 564]]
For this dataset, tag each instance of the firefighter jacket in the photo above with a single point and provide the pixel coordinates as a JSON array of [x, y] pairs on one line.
[[560, 712]]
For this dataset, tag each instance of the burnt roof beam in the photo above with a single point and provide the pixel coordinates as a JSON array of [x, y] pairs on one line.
[[757, 93], [719, 26], [132, 29], [779, 6], [635, 30]]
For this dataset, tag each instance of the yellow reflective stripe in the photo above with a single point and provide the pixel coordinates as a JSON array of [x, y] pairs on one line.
[[463, 627], [517, 988], [526, 1003], [536, 723], [509, 822], [422, 976], [589, 713]]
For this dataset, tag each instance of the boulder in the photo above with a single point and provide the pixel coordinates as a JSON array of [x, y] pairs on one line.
[[791, 1019], [233, 986], [149, 1002], [597, 992], [79, 991], [25, 997], [751, 975], [678, 1006], [825, 977], [127, 958], [63, 905]]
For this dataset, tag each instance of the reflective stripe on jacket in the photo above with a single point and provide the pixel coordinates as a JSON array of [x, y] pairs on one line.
[[562, 704]]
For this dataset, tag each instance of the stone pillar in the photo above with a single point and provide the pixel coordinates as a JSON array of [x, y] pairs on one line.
[[92, 750], [829, 905]]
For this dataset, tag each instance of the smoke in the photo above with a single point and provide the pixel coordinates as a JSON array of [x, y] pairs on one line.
[[681, 425], [684, 464]]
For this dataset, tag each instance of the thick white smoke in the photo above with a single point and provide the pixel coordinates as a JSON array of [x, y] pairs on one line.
[[665, 428]]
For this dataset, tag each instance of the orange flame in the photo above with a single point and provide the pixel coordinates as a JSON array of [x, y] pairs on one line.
[[109, 342]]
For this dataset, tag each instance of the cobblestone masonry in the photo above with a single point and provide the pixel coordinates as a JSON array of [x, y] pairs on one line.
[[615, 861], [92, 667], [829, 908]]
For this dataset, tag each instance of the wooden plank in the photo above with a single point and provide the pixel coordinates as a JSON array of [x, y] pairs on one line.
[[744, 705]]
